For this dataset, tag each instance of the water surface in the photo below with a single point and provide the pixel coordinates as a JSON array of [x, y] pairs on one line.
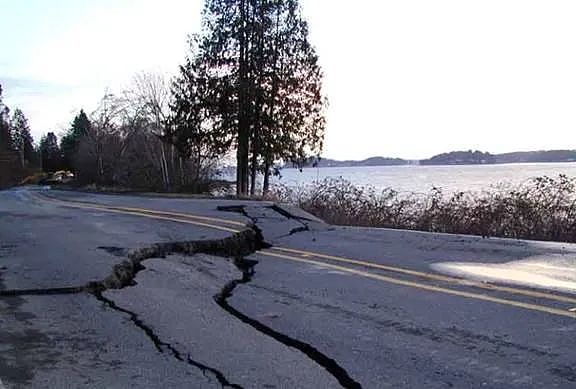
[[420, 179]]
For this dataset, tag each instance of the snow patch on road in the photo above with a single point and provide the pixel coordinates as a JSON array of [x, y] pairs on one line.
[[557, 272]]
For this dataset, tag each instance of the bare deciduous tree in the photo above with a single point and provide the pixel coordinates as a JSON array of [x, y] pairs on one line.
[[127, 143]]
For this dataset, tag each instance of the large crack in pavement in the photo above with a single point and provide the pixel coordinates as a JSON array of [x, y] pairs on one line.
[[236, 247], [41, 291], [241, 209], [161, 345], [305, 227], [337, 371], [247, 269], [123, 275]]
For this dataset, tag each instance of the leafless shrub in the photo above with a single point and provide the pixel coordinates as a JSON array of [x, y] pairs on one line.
[[543, 208], [126, 146]]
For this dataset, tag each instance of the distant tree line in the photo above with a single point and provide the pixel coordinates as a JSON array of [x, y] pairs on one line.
[[478, 158], [18, 155], [123, 142], [460, 158]]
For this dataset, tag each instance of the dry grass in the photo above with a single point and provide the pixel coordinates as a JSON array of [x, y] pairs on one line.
[[542, 209]]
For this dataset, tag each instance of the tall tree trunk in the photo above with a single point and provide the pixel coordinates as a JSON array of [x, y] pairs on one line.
[[254, 164], [100, 163], [164, 168], [242, 162], [269, 157], [22, 163], [266, 184], [242, 159], [181, 172], [258, 66]]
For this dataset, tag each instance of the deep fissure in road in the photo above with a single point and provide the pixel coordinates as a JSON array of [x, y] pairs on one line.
[[288, 215], [41, 291], [124, 274], [242, 210], [161, 345], [310, 351], [247, 269], [235, 247]]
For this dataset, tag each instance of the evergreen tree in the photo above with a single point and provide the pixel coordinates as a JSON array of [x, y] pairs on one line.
[[22, 141], [291, 116], [50, 153], [70, 141], [194, 127], [5, 136], [265, 82]]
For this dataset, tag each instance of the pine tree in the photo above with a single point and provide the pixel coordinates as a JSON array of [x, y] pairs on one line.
[[51, 155], [22, 141], [195, 128], [69, 144], [5, 136], [292, 114]]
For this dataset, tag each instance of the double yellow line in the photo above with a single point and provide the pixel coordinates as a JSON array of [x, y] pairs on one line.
[[185, 218], [352, 266], [433, 288]]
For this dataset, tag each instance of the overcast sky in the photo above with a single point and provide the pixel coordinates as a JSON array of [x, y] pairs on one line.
[[405, 78]]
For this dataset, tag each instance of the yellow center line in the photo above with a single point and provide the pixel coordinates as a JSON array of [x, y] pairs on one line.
[[159, 215], [518, 304], [431, 276], [141, 210], [185, 215], [150, 215]]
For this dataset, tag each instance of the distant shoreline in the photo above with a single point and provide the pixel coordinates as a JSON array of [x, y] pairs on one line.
[[456, 158], [411, 165]]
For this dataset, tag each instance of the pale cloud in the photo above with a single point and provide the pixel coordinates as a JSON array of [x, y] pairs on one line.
[[82, 48], [111, 40], [413, 78], [405, 78]]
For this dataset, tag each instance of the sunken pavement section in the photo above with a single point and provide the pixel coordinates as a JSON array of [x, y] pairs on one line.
[[160, 318]]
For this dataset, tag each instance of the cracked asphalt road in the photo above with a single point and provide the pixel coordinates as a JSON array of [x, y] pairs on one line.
[[129, 292]]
